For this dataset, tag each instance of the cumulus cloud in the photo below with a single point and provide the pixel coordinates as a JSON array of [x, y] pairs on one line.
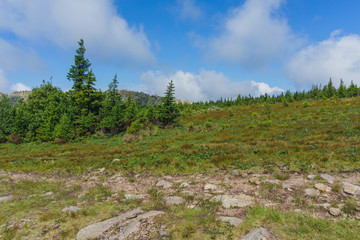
[[20, 87], [188, 10], [14, 58], [253, 35], [64, 22], [207, 85], [337, 57]]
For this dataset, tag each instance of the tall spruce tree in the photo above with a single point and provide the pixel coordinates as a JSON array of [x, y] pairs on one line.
[[86, 100], [169, 111]]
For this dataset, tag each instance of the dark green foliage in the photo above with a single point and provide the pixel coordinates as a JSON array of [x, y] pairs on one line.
[[134, 127], [85, 99], [6, 125], [169, 111], [64, 129], [113, 109]]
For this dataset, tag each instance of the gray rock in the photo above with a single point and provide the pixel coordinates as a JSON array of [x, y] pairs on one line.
[[162, 233], [71, 209], [164, 184], [233, 221], [256, 234], [235, 172], [213, 108], [95, 230], [130, 226], [210, 187], [5, 198], [335, 211], [323, 205], [271, 182], [311, 177], [287, 186], [311, 192], [328, 178], [244, 175], [134, 196], [184, 185], [322, 187], [351, 189], [229, 201], [174, 200]]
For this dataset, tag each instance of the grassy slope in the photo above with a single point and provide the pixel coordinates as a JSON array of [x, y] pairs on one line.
[[324, 136]]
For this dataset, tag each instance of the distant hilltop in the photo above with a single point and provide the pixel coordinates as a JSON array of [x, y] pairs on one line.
[[140, 98]]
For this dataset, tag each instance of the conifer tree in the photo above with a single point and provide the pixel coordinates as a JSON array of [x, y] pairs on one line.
[[85, 98], [169, 111]]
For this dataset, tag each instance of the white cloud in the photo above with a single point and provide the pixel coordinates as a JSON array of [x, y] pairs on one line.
[[207, 85], [20, 87], [337, 57], [188, 10], [64, 22], [14, 58], [254, 35], [4, 84]]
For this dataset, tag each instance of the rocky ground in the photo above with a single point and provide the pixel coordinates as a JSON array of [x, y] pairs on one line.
[[326, 196]]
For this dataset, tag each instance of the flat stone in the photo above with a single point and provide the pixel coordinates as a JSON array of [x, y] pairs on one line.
[[233, 221], [116, 160], [174, 200], [328, 178], [235, 172], [323, 205], [48, 194], [129, 227], [271, 182], [71, 209], [311, 177], [244, 175], [229, 201], [210, 187], [322, 187], [130, 196], [335, 211], [351, 189], [184, 185], [311, 192], [162, 233], [287, 186], [93, 231], [164, 184], [257, 234], [5, 198], [254, 180]]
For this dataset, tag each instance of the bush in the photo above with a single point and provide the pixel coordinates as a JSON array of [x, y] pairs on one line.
[[306, 104], [134, 127]]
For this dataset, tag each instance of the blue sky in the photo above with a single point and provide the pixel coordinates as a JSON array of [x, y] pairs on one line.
[[211, 49]]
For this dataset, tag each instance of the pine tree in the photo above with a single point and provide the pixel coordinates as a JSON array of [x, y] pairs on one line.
[[113, 109], [79, 71], [169, 111], [342, 91], [86, 100]]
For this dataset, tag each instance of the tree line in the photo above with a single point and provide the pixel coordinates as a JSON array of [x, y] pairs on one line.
[[49, 114], [317, 92]]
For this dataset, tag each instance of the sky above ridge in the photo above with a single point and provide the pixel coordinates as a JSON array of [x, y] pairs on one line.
[[210, 49]]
